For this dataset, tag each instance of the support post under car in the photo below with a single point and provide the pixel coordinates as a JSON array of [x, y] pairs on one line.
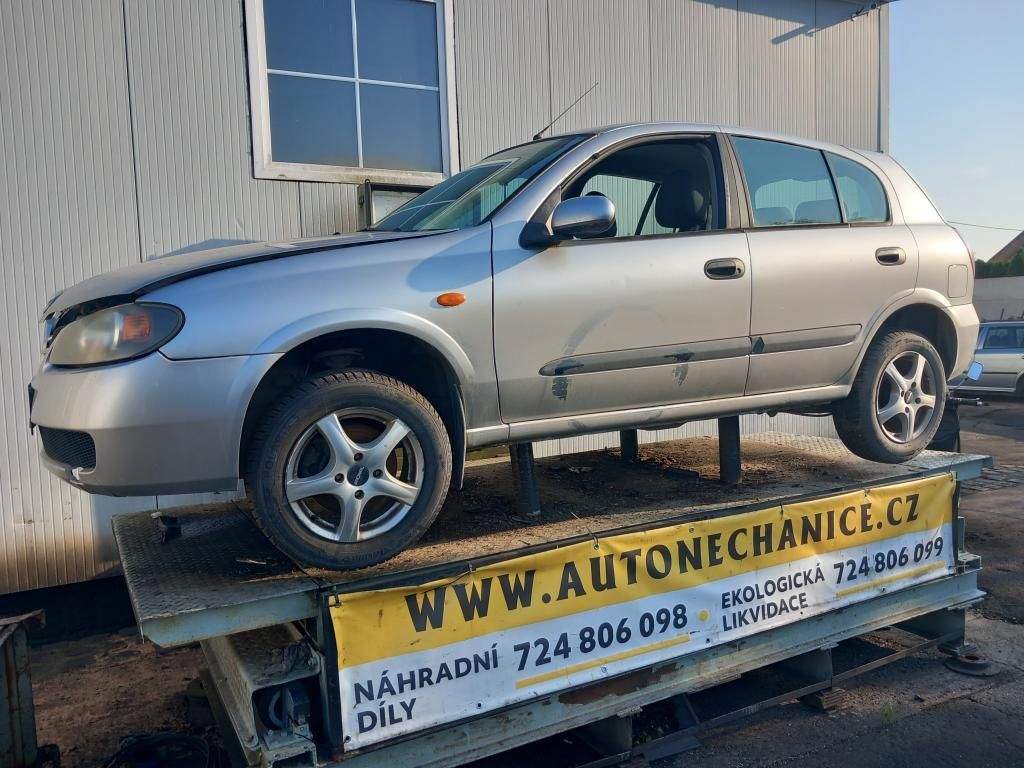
[[525, 476], [730, 468], [629, 445]]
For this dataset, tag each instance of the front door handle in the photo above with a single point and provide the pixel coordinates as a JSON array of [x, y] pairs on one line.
[[890, 257], [724, 269]]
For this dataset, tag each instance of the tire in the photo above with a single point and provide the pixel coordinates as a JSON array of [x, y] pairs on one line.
[[859, 419], [328, 457]]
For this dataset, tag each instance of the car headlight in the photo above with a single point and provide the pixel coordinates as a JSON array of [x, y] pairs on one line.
[[116, 333]]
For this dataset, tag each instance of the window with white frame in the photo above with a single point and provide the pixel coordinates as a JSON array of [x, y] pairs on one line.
[[347, 90]]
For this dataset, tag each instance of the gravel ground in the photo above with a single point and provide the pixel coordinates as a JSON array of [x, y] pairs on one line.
[[92, 692]]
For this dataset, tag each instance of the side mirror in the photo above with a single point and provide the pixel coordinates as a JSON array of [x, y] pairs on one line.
[[586, 216], [974, 371]]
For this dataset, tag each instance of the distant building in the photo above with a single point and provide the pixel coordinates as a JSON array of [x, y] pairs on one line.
[[1008, 251]]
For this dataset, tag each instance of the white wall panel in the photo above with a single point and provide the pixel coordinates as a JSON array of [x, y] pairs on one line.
[[67, 212], [847, 75], [749, 424], [187, 74], [776, 65], [502, 74], [325, 209], [607, 42], [694, 61]]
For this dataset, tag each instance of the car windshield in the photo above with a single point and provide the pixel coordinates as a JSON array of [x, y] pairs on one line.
[[469, 197]]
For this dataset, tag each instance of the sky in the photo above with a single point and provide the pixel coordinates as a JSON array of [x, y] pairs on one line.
[[956, 103]]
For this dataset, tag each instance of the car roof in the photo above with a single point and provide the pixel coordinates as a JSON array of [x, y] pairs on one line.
[[990, 323], [757, 133]]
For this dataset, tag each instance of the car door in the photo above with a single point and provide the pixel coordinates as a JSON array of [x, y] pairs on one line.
[[637, 317], [823, 265], [1002, 356]]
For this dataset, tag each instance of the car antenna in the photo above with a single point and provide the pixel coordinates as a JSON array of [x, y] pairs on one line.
[[560, 114]]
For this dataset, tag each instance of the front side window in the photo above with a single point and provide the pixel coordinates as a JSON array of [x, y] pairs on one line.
[[346, 90], [468, 198], [787, 184], [658, 187], [860, 190]]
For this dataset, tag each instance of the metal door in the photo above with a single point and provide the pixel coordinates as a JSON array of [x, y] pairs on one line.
[[816, 290], [818, 281], [605, 325]]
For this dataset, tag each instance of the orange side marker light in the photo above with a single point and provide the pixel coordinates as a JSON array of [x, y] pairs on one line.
[[452, 299]]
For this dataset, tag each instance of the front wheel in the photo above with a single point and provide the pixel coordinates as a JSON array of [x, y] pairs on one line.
[[349, 469], [897, 399]]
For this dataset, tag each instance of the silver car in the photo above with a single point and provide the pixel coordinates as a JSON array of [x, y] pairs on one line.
[[1001, 354], [632, 276]]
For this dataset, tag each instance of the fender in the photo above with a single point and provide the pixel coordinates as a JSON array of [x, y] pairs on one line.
[[322, 323], [925, 296]]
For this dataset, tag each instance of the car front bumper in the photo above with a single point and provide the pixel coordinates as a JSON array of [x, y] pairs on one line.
[[157, 426]]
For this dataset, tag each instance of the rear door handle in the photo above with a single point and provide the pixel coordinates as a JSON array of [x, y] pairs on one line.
[[890, 257], [724, 269]]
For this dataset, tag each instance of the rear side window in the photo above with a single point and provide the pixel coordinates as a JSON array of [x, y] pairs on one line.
[[860, 190], [1005, 337], [787, 184]]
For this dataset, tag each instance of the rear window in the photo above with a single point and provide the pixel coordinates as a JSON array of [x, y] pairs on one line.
[[860, 190], [787, 184]]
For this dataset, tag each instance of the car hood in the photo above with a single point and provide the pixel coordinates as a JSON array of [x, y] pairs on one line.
[[137, 279]]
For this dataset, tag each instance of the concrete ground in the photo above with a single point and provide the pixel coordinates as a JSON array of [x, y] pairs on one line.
[[915, 712]]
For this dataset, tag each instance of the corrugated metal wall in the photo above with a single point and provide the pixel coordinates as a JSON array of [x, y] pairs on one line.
[[799, 66], [67, 211], [124, 134]]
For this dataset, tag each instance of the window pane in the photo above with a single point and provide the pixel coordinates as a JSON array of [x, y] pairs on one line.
[[401, 128], [658, 187], [397, 41], [861, 191], [630, 198], [1000, 338], [309, 36], [469, 197], [312, 121], [787, 184]]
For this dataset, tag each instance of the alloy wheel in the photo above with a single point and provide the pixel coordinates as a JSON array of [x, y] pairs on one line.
[[354, 474], [906, 398]]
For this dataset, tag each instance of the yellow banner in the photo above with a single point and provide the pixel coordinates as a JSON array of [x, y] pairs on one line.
[[383, 624]]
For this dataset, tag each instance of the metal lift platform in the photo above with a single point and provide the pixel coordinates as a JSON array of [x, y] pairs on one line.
[[636, 583]]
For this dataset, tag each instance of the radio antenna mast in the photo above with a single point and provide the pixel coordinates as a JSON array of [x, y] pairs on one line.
[[562, 113]]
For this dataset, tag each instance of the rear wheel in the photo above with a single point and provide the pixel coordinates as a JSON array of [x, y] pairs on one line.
[[897, 399], [349, 469]]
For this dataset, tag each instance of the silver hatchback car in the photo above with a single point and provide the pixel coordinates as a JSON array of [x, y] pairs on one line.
[[633, 276]]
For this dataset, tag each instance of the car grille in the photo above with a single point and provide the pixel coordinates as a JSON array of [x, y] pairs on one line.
[[75, 449]]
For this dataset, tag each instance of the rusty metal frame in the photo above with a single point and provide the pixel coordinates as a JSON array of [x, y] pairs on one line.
[[18, 745]]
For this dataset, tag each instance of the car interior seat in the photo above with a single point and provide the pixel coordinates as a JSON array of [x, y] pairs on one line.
[[680, 206]]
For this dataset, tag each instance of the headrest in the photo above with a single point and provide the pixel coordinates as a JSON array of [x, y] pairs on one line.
[[815, 211], [680, 205]]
